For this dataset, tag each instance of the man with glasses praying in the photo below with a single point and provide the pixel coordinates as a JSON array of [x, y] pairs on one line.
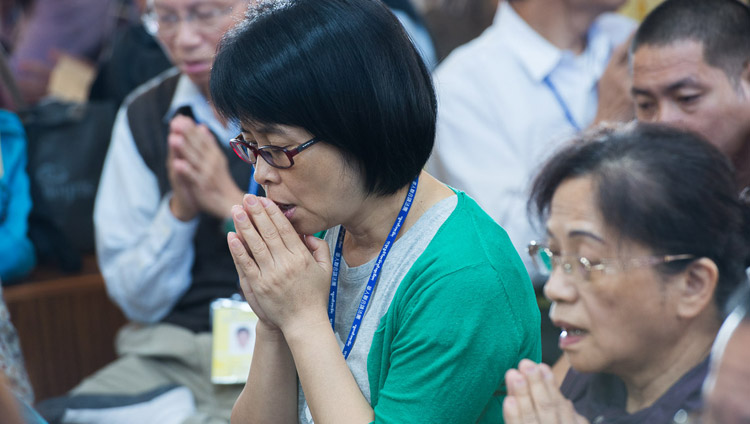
[[166, 189]]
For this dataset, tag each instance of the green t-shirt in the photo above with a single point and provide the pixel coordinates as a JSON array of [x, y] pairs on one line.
[[462, 316]]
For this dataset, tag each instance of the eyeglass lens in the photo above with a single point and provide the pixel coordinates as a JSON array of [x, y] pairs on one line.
[[273, 155], [546, 261], [206, 17], [245, 152]]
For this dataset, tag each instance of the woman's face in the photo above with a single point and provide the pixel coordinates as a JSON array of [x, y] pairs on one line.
[[616, 320], [321, 190]]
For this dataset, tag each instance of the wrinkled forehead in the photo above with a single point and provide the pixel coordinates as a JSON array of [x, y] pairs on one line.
[[574, 209], [673, 54], [673, 65], [679, 58]]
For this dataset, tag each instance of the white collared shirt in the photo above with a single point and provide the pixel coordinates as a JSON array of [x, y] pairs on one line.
[[145, 253], [497, 119]]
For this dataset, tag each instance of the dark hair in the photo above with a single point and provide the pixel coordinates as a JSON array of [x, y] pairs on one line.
[[663, 188], [721, 26], [345, 71]]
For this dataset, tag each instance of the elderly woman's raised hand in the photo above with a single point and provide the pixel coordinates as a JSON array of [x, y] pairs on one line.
[[533, 397], [285, 277]]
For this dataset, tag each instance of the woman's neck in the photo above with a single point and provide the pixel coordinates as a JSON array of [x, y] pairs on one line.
[[367, 231], [562, 25], [650, 383]]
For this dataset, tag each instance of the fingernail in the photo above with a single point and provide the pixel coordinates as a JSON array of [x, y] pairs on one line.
[[239, 214], [547, 372], [528, 367], [251, 200], [532, 370], [519, 381], [265, 202], [235, 244]]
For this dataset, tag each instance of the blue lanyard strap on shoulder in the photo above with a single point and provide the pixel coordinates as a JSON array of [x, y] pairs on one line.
[[374, 275], [568, 114]]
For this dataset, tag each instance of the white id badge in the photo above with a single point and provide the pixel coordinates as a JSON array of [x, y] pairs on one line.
[[233, 325]]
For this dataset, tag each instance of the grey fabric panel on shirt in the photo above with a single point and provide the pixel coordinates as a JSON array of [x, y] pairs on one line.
[[352, 283]]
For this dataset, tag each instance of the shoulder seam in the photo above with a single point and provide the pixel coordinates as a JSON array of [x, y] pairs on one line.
[[149, 85]]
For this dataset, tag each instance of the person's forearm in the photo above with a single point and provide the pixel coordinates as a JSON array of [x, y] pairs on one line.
[[330, 389], [270, 395], [146, 268]]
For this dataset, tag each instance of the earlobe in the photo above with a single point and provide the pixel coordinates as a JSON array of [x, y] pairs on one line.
[[697, 288]]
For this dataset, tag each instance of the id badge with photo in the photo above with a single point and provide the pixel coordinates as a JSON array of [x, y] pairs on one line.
[[233, 325]]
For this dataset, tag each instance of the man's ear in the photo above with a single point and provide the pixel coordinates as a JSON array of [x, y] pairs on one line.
[[696, 288]]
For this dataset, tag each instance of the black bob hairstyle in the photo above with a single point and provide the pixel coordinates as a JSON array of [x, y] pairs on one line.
[[345, 71], [664, 188]]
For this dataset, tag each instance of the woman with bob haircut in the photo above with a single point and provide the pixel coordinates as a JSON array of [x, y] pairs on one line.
[[394, 315], [646, 240]]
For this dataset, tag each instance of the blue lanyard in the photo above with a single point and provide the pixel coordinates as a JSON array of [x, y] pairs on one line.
[[561, 102], [252, 186], [367, 295]]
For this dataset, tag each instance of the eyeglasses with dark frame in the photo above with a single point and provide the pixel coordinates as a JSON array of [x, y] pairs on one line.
[[208, 17], [276, 156], [546, 261]]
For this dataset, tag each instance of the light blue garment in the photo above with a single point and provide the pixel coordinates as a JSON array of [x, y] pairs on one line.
[[16, 251], [419, 36]]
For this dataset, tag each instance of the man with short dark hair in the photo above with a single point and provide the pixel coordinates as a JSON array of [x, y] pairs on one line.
[[691, 68]]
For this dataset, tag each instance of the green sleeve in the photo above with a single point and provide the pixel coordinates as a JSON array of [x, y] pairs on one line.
[[447, 343]]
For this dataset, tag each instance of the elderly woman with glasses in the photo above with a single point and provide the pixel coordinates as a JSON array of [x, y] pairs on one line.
[[395, 313], [646, 239]]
